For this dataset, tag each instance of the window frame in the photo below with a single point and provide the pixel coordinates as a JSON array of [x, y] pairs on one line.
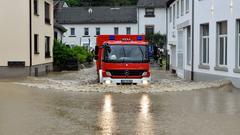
[[36, 7], [72, 32], [170, 14], [187, 4], [147, 27], [174, 16], [128, 30], [182, 7], [149, 13], [116, 30], [36, 44], [206, 38], [86, 31], [98, 31], [47, 47], [178, 9], [225, 44], [47, 13]]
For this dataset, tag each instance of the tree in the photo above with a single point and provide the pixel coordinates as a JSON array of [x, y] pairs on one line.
[[157, 39]]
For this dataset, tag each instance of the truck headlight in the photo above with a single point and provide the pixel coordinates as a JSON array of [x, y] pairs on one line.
[[145, 82], [108, 82]]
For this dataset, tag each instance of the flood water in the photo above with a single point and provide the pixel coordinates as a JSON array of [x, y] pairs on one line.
[[33, 111]]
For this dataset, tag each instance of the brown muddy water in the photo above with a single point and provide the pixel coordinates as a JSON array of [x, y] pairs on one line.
[[34, 111]]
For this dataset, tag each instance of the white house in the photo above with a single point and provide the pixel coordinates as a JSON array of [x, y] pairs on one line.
[[151, 16], [215, 39], [179, 36], [83, 24]]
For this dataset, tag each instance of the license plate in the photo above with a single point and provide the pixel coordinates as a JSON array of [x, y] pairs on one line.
[[126, 81]]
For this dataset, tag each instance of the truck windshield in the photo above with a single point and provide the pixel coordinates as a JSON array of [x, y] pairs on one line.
[[126, 53]]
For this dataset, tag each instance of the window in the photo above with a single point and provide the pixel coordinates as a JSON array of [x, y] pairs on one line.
[[128, 30], [187, 6], [116, 30], [222, 43], [47, 47], [149, 12], [47, 13], [149, 30], [182, 7], [98, 31], [174, 12], [36, 44], [86, 31], [170, 14], [35, 6], [204, 29], [72, 31], [189, 46], [238, 41], [178, 9]]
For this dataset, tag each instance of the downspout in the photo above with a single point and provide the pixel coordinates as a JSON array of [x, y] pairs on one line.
[[30, 36], [192, 71]]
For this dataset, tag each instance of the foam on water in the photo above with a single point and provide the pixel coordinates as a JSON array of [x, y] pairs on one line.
[[85, 81]]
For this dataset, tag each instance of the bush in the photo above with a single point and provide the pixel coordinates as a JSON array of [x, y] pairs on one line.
[[63, 53]]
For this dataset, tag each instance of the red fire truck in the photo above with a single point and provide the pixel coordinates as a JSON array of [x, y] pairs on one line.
[[122, 59]]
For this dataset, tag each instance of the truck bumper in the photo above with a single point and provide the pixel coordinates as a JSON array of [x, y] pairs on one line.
[[141, 81]]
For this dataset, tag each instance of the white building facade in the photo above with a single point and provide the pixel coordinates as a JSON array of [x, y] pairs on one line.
[[180, 37], [216, 28], [217, 40], [151, 16]]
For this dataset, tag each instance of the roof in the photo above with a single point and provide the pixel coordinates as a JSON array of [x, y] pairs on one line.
[[59, 27], [152, 3], [94, 15]]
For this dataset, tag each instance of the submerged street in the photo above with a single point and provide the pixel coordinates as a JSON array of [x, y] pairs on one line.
[[59, 104]]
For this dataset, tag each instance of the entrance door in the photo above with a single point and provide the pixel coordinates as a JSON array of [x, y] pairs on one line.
[[180, 54]]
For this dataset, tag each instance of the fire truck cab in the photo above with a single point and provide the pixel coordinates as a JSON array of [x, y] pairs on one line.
[[122, 59]]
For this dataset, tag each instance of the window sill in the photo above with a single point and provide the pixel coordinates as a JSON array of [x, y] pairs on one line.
[[218, 68], [204, 66], [36, 53], [149, 16], [48, 57], [236, 70], [72, 36], [86, 36], [36, 14]]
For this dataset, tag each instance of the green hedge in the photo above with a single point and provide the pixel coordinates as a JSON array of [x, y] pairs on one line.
[[62, 53]]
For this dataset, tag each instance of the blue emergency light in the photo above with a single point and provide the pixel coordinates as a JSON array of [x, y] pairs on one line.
[[139, 38], [112, 37]]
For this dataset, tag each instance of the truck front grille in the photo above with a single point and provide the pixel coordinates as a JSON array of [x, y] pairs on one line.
[[127, 72]]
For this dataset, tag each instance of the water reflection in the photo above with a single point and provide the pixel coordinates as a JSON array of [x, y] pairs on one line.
[[144, 119], [107, 117]]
